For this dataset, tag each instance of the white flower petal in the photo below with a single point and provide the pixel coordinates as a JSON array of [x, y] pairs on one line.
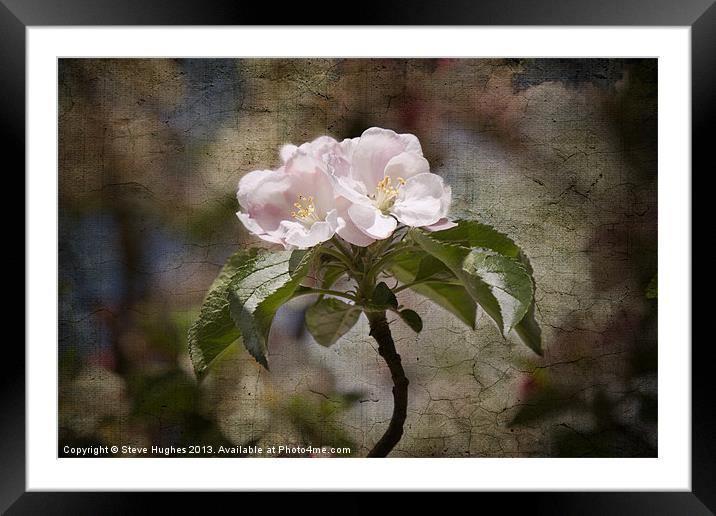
[[265, 195], [348, 146], [440, 225], [371, 221], [320, 146], [287, 152], [254, 228], [351, 190], [422, 201], [351, 234], [406, 165], [335, 221], [302, 237], [303, 162], [347, 229], [374, 150], [248, 184], [339, 160], [309, 177], [411, 142], [314, 183], [249, 223]]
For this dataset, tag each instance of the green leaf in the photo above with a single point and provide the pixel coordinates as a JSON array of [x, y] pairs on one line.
[[329, 319], [331, 275], [255, 297], [453, 298], [471, 234], [499, 284], [295, 260], [383, 296], [507, 282], [431, 267], [327, 269], [529, 331], [412, 319], [214, 331]]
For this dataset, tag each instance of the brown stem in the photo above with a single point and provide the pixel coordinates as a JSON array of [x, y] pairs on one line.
[[380, 331]]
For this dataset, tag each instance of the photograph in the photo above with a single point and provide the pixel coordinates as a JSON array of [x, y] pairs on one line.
[[357, 257], [262, 251]]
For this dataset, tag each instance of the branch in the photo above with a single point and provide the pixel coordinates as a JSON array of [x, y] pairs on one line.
[[380, 331]]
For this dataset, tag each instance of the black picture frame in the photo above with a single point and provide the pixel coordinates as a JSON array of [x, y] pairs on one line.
[[700, 15]]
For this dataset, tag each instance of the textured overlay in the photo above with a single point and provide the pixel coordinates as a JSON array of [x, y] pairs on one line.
[[558, 154]]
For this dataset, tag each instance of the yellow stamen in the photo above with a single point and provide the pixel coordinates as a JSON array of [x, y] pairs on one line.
[[305, 207], [385, 193], [386, 188]]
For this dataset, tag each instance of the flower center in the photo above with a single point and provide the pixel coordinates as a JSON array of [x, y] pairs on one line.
[[305, 210], [385, 193]]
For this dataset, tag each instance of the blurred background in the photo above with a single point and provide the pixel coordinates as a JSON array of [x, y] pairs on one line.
[[560, 154]]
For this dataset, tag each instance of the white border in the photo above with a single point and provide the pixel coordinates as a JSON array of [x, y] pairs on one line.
[[670, 471]]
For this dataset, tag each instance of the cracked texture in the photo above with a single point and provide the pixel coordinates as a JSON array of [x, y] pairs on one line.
[[558, 154]]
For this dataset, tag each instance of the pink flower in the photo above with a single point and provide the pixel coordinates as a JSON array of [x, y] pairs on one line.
[[360, 189], [294, 205], [389, 181]]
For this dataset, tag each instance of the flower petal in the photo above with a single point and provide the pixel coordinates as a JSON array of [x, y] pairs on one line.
[[287, 152], [265, 195], [309, 178], [371, 221], [411, 142], [248, 184], [351, 234], [444, 223], [249, 223], [303, 162], [339, 161], [406, 165], [302, 237], [254, 228], [320, 146], [350, 189], [375, 149], [347, 229], [348, 146], [422, 201]]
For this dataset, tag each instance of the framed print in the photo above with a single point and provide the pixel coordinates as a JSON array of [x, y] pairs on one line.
[[425, 256]]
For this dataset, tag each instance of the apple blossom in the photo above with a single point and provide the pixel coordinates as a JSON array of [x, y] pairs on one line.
[[333, 156], [359, 188], [389, 181], [294, 205]]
